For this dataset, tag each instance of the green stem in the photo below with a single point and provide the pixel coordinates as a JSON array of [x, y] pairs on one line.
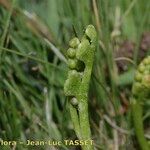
[[84, 124], [137, 112], [75, 120]]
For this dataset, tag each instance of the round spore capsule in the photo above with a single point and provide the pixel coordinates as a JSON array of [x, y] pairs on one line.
[[71, 53], [74, 101], [74, 42], [72, 63]]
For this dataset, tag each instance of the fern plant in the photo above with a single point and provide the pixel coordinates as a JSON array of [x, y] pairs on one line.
[[140, 94], [80, 62]]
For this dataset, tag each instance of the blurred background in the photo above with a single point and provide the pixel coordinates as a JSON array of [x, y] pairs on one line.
[[34, 36]]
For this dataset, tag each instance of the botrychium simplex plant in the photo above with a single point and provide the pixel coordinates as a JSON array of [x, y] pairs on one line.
[[140, 94], [80, 62]]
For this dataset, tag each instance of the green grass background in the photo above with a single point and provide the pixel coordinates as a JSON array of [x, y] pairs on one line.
[[34, 37]]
